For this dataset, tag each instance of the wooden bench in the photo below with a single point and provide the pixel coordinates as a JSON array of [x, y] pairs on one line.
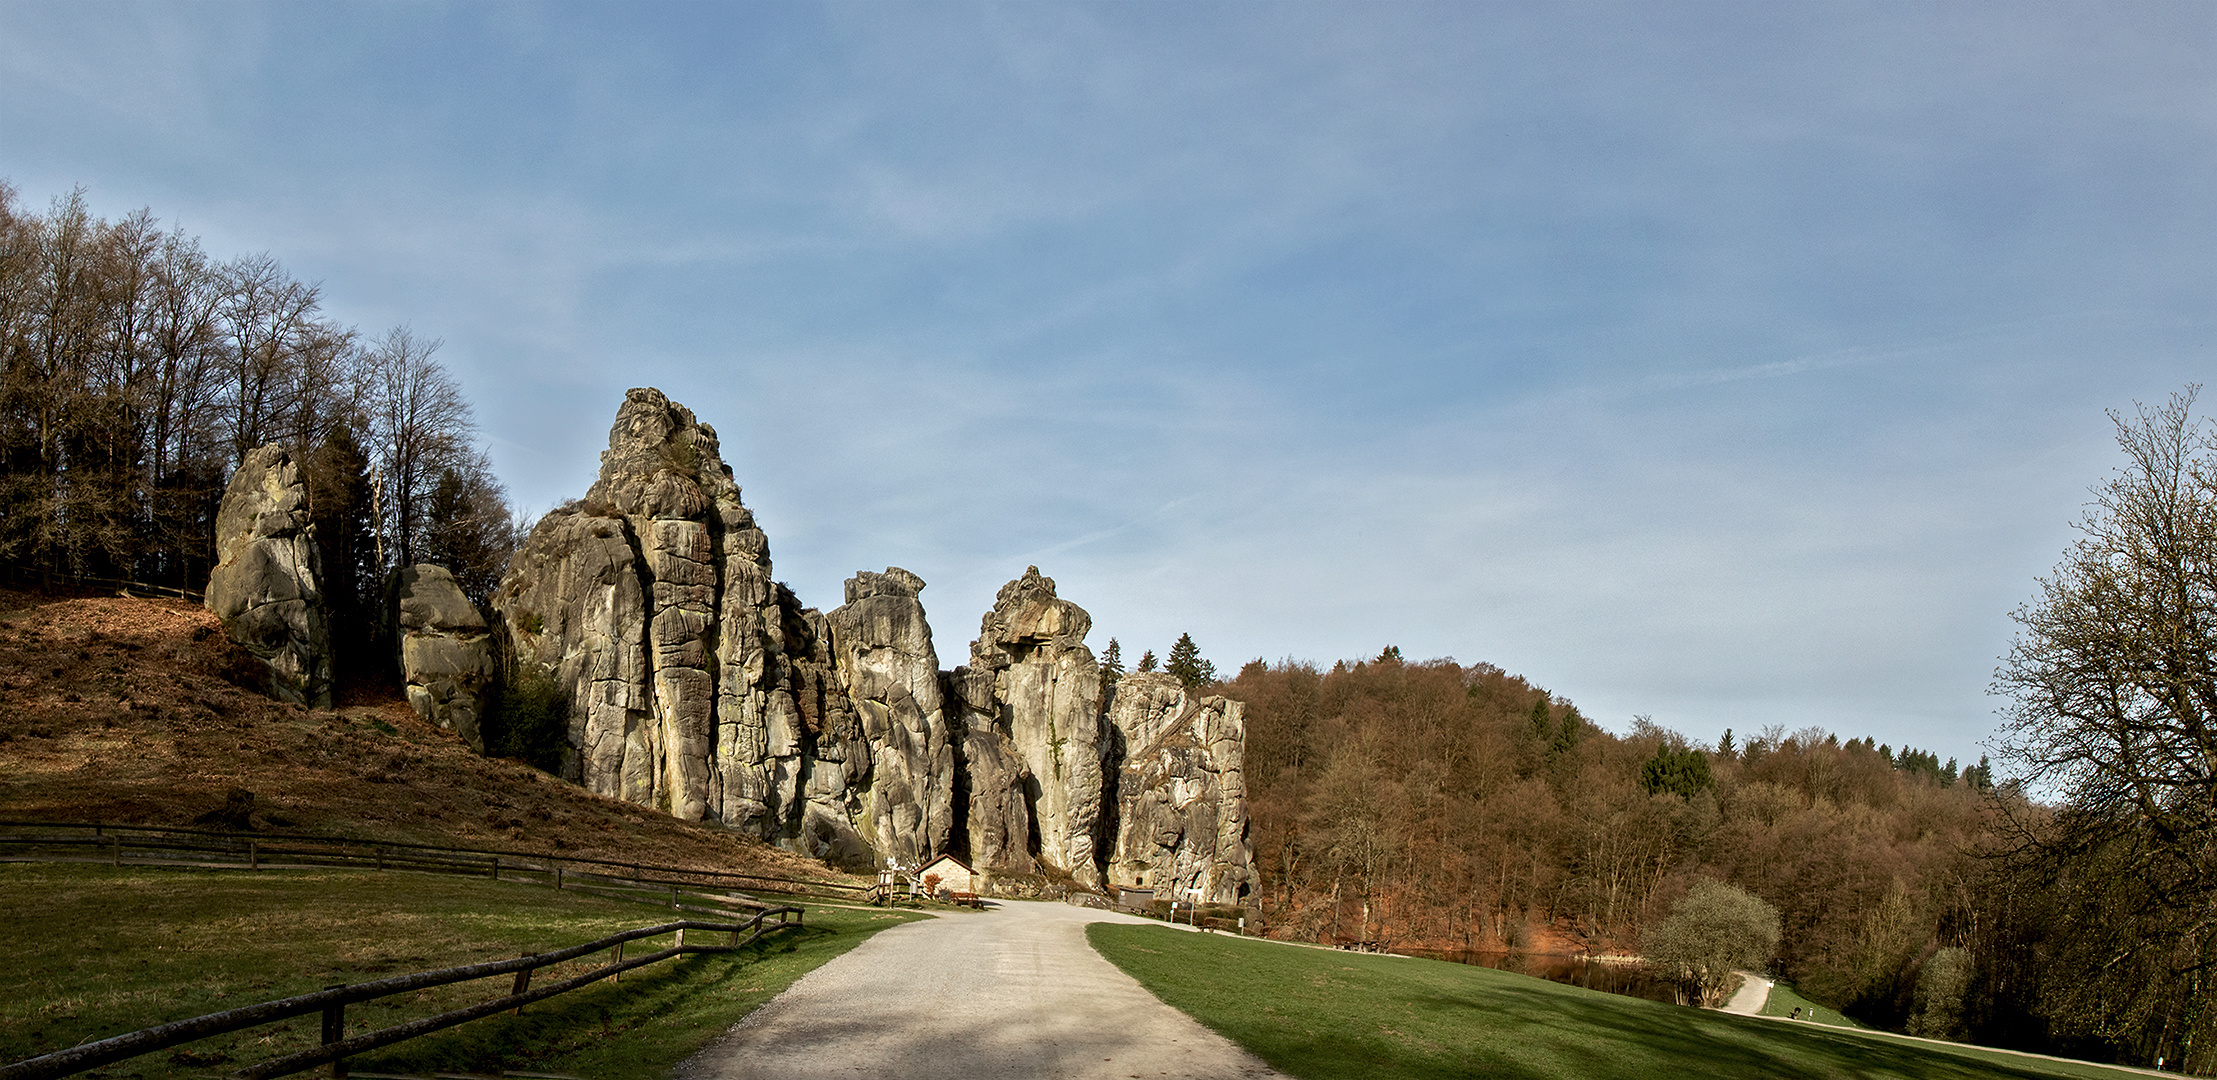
[[968, 899]]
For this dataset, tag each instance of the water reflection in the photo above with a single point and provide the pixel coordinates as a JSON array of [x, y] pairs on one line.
[[1631, 980]]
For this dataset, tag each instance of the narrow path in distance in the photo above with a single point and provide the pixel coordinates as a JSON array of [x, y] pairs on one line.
[[1748, 1000], [1007, 993]]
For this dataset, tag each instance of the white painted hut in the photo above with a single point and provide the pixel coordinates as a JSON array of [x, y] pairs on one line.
[[954, 875]]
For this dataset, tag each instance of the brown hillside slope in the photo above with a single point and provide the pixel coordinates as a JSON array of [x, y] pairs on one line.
[[123, 710]]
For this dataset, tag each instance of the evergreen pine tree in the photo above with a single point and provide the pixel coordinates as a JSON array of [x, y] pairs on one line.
[[1112, 668], [1147, 660], [1186, 664]]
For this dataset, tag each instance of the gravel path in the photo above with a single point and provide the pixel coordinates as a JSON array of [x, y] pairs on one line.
[[1007, 993], [1749, 999]]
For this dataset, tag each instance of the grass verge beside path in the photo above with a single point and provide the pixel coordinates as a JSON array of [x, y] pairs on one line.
[[1785, 999], [96, 952], [1325, 1015]]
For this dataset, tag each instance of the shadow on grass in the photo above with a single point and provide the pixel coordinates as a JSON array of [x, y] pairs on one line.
[[639, 1028], [1324, 1015]]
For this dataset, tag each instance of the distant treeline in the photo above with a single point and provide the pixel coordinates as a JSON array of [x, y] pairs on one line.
[[1436, 805], [136, 370]]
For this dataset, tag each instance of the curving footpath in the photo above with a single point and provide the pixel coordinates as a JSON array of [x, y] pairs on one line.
[[1749, 999], [1008, 993]]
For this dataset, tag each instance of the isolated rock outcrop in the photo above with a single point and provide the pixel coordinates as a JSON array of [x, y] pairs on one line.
[[1032, 681], [266, 585], [1181, 791], [446, 652], [882, 651]]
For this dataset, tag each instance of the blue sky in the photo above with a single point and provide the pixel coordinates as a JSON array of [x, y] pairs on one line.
[[1733, 364]]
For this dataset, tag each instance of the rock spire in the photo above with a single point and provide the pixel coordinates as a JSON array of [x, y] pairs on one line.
[[267, 582]]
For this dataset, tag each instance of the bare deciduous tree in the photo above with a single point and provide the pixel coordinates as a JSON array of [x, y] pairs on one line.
[[420, 426], [2112, 684]]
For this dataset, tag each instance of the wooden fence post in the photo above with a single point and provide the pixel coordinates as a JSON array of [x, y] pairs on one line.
[[557, 877], [254, 855], [619, 976], [116, 855], [523, 983], [496, 872], [334, 1030]]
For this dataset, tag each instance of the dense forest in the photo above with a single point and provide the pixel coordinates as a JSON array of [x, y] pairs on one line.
[[1433, 804], [1405, 803], [136, 370], [1436, 805]]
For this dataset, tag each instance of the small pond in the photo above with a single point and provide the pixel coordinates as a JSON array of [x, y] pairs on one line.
[[1632, 980]]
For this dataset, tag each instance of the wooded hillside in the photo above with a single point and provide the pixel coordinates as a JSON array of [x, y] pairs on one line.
[[1430, 804], [137, 369]]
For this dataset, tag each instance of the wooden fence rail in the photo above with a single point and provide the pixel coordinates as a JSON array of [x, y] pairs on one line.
[[87, 841], [332, 1003], [47, 579]]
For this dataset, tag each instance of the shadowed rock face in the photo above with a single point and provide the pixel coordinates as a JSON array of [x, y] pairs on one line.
[[1181, 791], [266, 585], [1032, 681], [446, 655]]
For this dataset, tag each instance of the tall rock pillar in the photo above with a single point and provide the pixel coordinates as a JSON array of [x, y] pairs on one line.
[[650, 601], [267, 582], [1032, 678], [882, 649]]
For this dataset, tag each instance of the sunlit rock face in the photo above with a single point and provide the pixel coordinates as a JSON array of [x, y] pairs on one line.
[[697, 685], [267, 582], [1033, 699], [650, 601], [446, 653], [1181, 792], [882, 651]]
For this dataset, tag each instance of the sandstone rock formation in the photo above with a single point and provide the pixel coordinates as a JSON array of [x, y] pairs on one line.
[[699, 686], [446, 653], [650, 601], [882, 651], [266, 585], [1181, 792], [1032, 681]]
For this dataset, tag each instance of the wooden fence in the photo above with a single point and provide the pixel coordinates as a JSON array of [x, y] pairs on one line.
[[46, 580], [337, 1046], [144, 845]]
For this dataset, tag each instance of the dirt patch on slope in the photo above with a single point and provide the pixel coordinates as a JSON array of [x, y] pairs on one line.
[[139, 712]]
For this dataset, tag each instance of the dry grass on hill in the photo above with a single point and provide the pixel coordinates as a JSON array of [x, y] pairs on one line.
[[132, 711]]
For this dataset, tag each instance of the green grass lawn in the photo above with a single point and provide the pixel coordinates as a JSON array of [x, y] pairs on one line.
[[1323, 1015], [95, 952], [1785, 999]]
